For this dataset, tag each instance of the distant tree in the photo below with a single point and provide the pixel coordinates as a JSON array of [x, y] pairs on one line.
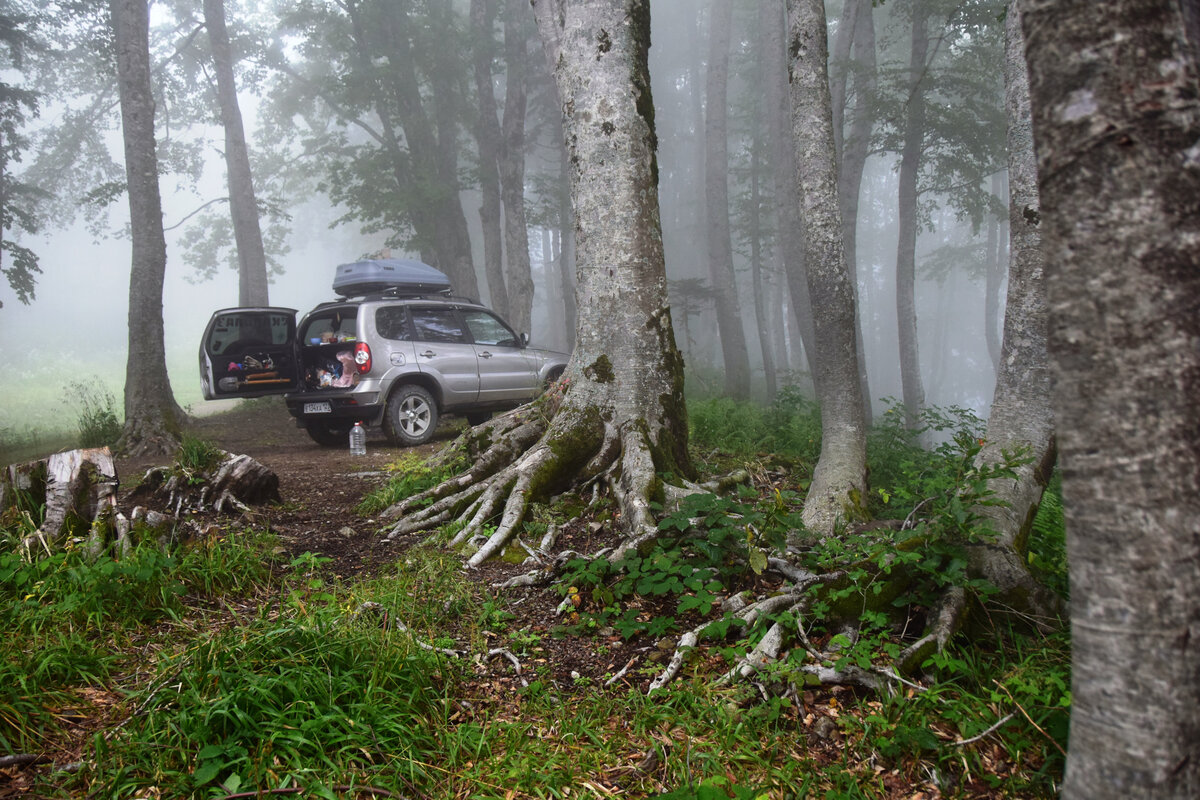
[[621, 417], [18, 200], [518, 277], [151, 414], [381, 90], [911, 153], [939, 108], [993, 306], [1116, 119], [772, 26], [735, 357], [839, 482], [854, 64], [487, 137], [243, 206]]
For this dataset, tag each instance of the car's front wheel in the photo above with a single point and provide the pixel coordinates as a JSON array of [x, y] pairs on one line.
[[412, 416], [329, 434]]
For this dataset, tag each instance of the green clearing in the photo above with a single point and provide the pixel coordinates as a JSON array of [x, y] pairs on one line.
[[222, 668]]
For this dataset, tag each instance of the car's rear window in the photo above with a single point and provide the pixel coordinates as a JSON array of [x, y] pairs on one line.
[[243, 329]]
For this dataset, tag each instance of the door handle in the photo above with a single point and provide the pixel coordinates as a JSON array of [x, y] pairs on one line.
[[485, 354], [428, 354]]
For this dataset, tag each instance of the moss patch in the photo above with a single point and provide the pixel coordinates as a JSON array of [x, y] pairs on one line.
[[600, 370]]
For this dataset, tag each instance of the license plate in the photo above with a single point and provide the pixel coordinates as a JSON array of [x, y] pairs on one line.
[[317, 408]]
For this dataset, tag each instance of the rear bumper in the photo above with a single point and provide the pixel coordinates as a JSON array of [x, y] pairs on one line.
[[326, 406]]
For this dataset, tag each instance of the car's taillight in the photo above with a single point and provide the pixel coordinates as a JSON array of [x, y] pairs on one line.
[[362, 357]]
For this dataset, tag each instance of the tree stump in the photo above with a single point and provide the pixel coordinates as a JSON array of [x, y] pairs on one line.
[[78, 490], [235, 483]]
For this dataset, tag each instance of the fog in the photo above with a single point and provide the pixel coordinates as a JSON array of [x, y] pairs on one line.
[[75, 330]]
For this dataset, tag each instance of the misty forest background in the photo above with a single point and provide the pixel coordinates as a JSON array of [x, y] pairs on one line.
[[326, 194]]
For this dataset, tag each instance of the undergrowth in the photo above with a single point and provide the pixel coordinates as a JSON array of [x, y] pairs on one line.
[[231, 672]]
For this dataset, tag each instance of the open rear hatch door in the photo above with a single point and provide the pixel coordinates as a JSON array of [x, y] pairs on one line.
[[249, 352]]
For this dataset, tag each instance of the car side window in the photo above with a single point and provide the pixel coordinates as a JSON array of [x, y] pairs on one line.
[[438, 325], [486, 328], [392, 323]]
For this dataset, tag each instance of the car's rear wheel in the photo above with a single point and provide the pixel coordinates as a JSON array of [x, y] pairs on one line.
[[412, 416], [329, 434]]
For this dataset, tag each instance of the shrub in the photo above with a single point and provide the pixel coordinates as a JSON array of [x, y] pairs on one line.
[[99, 425], [790, 426]]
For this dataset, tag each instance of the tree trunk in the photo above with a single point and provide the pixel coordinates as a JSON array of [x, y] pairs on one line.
[[787, 205], [518, 276], [906, 250], [151, 414], [487, 136], [243, 206], [852, 159], [625, 355], [762, 315], [618, 416], [566, 249], [839, 484], [453, 236], [1116, 118], [1021, 418], [993, 311], [425, 165], [734, 354]]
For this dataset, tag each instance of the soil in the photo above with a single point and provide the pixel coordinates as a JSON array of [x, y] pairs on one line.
[[320, 488]]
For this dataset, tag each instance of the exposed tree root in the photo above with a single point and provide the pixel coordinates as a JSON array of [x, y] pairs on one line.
[[527, 459], [945, 622], [234, 484]]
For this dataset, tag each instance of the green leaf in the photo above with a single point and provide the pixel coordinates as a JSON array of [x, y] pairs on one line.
[[208, 770]]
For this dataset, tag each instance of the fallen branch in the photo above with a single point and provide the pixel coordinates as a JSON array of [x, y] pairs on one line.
[[23, 760], [982, 734]]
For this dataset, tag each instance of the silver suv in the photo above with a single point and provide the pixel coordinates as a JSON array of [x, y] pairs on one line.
[[389, 358]]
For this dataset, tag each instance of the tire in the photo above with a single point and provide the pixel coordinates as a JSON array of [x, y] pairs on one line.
[[477, 417], [329, 434], [412, 416]]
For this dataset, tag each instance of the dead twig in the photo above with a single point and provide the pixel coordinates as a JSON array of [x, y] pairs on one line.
[[1025, 714]]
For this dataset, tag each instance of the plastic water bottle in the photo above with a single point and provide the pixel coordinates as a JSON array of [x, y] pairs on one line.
[[358, 440]]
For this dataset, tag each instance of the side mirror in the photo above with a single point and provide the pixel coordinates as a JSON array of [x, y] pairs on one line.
[[524, 340]]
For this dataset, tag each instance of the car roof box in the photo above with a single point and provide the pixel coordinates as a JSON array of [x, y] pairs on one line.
[[400, 276]]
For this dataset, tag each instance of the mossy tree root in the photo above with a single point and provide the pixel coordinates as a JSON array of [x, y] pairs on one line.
[[521, 459], [946, 620]]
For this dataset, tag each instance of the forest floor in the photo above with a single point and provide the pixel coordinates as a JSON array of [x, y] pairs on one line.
[[321, 489]]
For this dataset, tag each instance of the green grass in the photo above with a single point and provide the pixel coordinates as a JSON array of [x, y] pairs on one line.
[[312, 699], [235, 673]]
